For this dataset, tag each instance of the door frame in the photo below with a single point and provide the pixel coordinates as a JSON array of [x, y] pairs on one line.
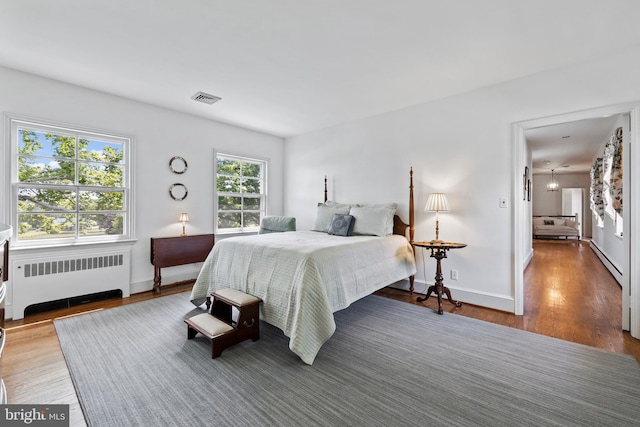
[[573, 191], [522, 221]]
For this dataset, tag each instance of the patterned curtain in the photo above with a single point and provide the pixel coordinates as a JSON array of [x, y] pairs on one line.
[[615, 180], [597, 185], [607, 162]]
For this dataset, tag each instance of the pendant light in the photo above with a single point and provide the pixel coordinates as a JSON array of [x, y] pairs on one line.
[[553, 184]]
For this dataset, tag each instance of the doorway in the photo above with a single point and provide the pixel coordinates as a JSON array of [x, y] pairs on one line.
[[572, 202], [522, 218]]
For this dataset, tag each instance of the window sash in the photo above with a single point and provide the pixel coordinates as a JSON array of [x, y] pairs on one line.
[[238, 215], [100, 213]]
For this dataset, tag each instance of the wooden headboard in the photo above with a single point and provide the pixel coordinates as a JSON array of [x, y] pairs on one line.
[[399, 226]]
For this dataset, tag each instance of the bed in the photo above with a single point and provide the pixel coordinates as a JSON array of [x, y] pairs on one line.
[[303, 277]]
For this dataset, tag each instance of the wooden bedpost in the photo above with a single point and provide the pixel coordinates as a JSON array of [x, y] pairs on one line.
[[411, 213], [411, 223], [325, 188]]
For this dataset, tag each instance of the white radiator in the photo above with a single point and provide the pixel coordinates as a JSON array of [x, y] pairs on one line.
[[67, 274]]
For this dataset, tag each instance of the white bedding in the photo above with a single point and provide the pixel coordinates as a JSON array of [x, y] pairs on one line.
[[303, 277]]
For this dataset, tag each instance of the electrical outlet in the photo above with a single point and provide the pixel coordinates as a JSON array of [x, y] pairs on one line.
[[454, 274]]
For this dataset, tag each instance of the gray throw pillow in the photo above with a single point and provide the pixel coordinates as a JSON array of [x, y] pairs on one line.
[[341, 225]]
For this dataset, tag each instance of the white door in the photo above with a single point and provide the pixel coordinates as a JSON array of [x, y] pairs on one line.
[[572, 204]]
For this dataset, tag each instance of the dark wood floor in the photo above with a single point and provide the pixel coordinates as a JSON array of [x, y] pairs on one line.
[[568, 295]]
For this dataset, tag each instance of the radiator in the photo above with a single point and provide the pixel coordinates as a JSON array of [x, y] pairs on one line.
[[67, 274]]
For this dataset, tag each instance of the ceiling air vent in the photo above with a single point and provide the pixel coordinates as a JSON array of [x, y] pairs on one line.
[[206, 98]]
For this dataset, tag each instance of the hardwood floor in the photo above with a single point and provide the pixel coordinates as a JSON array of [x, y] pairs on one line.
[[568, 295]]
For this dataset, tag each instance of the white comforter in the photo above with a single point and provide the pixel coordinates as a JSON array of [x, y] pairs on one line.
[[303, 277]]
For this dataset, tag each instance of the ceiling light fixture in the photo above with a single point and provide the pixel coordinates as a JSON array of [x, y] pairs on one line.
[[553, 184]]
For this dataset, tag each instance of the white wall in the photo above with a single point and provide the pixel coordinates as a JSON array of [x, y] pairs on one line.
[[462, 146], [159, 134], [550, 202]]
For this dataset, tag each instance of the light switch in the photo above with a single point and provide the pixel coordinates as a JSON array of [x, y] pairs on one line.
[[503, 202]]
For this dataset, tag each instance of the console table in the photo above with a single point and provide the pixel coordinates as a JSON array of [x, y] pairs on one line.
[[439, 251], [172, 251]]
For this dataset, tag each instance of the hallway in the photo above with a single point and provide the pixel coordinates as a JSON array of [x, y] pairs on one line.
[[570, 295]]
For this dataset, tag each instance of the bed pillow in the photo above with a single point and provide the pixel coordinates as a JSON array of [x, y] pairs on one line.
[[324, 215], [373, 220], [341, 225], [333, 204], [558, 221], [548, 222]]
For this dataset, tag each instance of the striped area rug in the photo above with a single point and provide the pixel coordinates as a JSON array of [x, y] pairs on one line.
[[388, 364]]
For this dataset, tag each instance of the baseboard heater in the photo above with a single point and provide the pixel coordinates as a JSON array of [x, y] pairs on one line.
[[67, 278], [71, 302], [613, 269]]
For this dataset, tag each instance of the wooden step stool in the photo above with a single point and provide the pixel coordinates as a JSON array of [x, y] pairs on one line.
[[219, 326]]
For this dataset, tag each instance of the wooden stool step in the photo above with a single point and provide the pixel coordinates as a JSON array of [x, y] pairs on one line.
[[219, 326], [248, 322], [235, 297], [221, 334]]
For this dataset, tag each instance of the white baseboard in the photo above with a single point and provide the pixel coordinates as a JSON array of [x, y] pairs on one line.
[[615, 272], [147, 285], [528, 259], [497, 302]]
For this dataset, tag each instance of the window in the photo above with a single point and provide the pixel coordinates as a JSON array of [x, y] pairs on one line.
[[240, 193], [68, 185]]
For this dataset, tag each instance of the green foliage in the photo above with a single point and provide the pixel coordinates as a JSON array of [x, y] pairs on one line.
[[51, 170], [238, 184]]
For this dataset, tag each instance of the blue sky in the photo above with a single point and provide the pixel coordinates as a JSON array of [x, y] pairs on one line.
[[47, 146]]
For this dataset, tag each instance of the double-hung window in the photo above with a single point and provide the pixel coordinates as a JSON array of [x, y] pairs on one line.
[[240, 193], [69, 185]]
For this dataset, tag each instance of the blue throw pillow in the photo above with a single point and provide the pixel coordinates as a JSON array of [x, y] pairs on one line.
[[341, 225]]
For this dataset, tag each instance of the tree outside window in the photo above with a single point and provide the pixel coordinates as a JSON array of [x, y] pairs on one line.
[[240, 193], [70, 185]]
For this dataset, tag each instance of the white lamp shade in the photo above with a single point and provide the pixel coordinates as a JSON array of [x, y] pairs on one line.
[[437, 202], [184, 217]]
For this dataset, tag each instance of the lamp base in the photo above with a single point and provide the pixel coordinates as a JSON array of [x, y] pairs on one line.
[[437, 241]]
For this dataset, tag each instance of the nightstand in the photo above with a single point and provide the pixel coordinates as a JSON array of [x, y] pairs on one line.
[[439, 251]]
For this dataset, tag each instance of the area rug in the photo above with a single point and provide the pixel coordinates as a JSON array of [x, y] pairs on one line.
[[388, 364]]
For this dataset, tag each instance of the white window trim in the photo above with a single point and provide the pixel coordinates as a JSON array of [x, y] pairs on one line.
[[265, 196], [9, 181]]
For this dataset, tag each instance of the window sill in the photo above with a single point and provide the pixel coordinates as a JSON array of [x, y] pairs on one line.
[[228, 234], [78, 245]]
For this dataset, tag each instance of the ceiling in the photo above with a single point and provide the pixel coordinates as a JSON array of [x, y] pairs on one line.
[[287, 67], [568, 147]]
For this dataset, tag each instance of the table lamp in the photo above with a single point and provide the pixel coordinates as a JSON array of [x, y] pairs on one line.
[[437, 202], [184, 217]]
